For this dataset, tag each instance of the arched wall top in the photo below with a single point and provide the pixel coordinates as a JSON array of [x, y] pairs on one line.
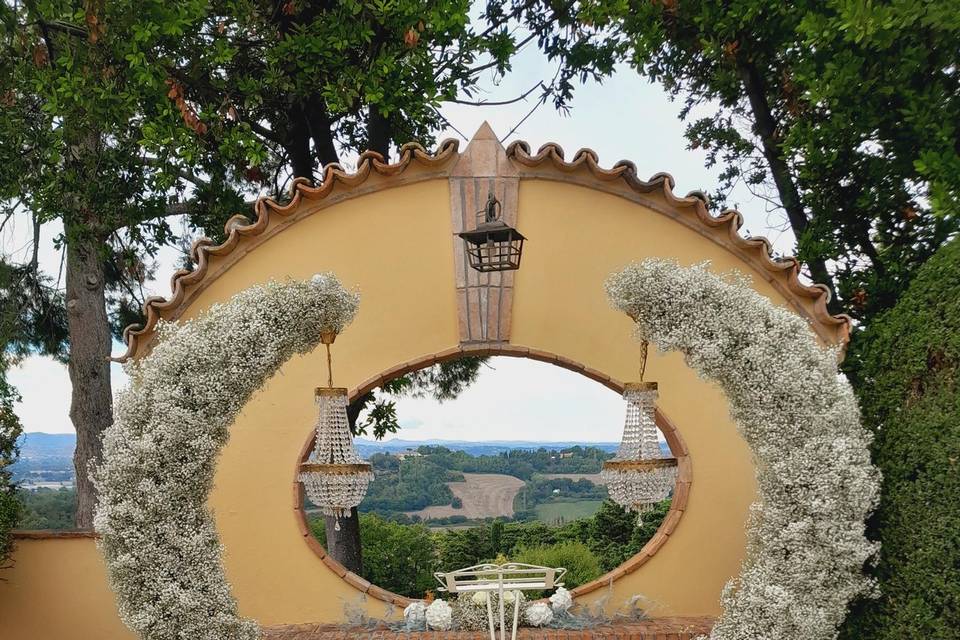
[[416, 164]]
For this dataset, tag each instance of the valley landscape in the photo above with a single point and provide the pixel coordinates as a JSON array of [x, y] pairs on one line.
[[444, 482], [447, 504]]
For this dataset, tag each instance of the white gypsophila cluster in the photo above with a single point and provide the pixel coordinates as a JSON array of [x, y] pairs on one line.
[[561, 600], [159, 455], [538, 614], [806, 546], [469, 614], [415, 614], [439, 615]]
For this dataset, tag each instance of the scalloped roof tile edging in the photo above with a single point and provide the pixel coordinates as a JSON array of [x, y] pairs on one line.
[[239, 226], [550, 155], [787, 267]]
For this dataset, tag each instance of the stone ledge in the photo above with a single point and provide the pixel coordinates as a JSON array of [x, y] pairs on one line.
[[653, 629], [52, 534]]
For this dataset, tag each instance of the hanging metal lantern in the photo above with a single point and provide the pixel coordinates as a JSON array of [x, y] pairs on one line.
[[334, 476], [638, 476], [493, 245]]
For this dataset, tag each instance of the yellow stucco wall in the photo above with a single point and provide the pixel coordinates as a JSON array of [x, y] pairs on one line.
[[57, 589], [395, 245]]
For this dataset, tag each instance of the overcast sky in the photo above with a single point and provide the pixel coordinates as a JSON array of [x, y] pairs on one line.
[[624, 118]]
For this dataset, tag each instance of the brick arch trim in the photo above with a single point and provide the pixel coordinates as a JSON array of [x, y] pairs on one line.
[[672, 435]]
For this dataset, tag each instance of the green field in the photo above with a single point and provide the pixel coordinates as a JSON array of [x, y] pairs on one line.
[[551, 512]]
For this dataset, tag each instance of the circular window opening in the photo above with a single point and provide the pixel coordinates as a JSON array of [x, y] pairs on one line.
[[489, 459]]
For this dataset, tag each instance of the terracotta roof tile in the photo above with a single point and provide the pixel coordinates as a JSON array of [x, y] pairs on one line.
[[549, 157]]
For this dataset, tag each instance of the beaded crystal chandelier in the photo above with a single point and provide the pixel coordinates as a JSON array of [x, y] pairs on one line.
[[639, 476], [334, 476]]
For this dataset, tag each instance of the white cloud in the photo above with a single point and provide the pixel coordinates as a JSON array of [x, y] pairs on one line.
[[518, 399], [44, 386]]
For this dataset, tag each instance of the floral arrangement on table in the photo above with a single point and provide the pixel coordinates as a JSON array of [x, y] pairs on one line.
[[156, 531], [468, 611], [806, 547]]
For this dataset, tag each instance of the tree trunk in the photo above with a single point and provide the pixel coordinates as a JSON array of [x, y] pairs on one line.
[[91, 405], [298, 143], [378, 133], [766, 127], [344, 545], [321, 132]]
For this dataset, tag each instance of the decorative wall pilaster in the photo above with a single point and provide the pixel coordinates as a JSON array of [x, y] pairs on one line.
[[484, 300]]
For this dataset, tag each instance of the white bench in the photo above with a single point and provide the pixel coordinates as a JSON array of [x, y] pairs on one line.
[[511, 577]]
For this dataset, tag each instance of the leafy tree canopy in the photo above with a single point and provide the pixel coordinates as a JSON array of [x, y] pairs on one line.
[[119, 118], [10, 427], [842, 115]]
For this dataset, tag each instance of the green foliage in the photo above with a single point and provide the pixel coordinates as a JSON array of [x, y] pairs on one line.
[[580, 562], [908, 368], [403, 557], [539, 491], [418, 483], [32, 314], [117, 117], [496, 536], [10, 427], [843, 115], [521, 463], [398, 557], [9, 507], [615, 535], [611, 535], [9, 520], [561, 511], [857, 96], [460, 548], [47, 508]]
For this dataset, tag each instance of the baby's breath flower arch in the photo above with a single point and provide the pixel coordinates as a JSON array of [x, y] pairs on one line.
[[805, 545], [159, 456]]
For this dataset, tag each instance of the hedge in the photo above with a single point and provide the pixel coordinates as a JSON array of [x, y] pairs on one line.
[[905, 369]]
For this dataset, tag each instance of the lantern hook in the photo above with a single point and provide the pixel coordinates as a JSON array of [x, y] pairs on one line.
[[492, 209]]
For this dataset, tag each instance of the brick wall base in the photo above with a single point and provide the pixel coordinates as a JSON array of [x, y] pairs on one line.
[[653, 629]]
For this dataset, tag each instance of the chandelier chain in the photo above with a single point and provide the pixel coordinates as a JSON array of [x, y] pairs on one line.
[[644, 346], [329, 367]]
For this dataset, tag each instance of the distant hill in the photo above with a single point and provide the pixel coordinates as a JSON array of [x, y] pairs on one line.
[[490, 447], [366, 448], [42, 445], [46, 460], [54, 451]]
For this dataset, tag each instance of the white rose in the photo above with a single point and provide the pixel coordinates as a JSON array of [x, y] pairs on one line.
[[415, 614], [538, 614], [439, 615], [561, 601], [480, 597]]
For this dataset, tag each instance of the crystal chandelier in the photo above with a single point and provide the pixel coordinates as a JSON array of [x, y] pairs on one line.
[[334, 476], [638, 476]]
